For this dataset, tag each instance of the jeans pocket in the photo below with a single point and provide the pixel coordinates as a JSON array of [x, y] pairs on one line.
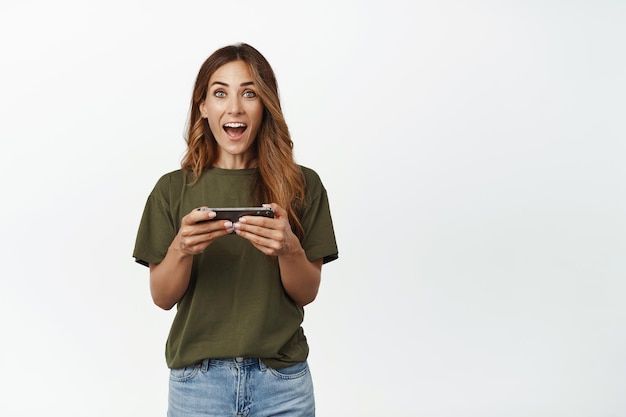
[[184, 374], [298, 370]]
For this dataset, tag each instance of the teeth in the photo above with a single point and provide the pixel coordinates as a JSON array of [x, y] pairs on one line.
[[235, 125]]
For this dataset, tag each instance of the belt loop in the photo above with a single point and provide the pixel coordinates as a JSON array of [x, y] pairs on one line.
[[205, 365], [262, 366]]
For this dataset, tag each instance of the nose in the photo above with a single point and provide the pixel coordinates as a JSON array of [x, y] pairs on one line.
[[234, 105]]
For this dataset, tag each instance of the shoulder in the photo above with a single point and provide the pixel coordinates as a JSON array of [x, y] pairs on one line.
[[311, 177], [174, 177], [169, 182], [313, 184]]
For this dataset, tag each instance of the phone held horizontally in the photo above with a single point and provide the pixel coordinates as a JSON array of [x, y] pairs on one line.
[[234, 213]]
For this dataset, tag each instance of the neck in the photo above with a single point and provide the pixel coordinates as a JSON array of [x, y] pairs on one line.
[[235, 162]]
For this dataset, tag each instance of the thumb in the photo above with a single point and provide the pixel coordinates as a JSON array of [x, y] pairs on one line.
[[279, 212]]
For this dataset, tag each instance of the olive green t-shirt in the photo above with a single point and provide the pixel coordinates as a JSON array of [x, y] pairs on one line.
[[235, 304]]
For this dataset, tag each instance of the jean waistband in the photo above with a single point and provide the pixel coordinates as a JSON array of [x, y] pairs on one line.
[[238, 362]]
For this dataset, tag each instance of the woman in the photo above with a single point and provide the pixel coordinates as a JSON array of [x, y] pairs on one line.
[[236, 345]]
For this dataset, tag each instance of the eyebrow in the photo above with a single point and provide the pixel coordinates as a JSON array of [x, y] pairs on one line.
[[247, 83]]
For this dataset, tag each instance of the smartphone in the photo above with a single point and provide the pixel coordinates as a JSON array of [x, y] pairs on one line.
[[234, 213]]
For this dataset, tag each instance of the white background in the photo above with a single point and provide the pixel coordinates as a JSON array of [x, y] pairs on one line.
[[473, 152]]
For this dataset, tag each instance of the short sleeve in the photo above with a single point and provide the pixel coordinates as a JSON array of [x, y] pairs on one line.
[[157, 228], [319, 235]]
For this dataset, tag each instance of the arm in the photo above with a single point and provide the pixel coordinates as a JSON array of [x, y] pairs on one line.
[[170, 278], [300, 277]]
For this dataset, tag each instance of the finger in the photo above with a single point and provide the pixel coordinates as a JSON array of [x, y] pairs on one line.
[[214, 226], [199, 221], [197, 243], [197, 215], [258, 221], [279, 212], [207, 228], [264, 244], [258, 230]]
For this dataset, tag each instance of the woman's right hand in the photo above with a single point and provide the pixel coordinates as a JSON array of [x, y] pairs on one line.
[[170, 278], [198, 230]]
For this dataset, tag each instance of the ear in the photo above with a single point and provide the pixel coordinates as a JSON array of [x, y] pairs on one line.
[[203, 111]]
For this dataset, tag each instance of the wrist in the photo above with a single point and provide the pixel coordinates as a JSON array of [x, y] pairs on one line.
[[294, 252], [177, 251]]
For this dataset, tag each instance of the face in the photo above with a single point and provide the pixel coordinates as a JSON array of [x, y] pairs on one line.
[[234, 112]]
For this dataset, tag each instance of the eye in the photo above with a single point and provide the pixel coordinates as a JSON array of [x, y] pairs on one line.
[[219, 94], [249, 94]]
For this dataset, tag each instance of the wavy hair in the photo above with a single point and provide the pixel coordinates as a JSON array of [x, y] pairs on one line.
[[279, 179]]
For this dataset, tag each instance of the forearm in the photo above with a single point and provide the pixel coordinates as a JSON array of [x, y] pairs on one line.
[[300, 277], [170, 278]]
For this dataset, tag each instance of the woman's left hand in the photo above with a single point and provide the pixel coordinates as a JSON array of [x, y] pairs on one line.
[[270, 236]]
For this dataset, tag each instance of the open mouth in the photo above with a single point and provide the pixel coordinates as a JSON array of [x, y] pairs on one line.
[[235, 129]]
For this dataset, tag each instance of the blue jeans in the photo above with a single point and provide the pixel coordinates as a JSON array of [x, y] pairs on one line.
[[240, 387]]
